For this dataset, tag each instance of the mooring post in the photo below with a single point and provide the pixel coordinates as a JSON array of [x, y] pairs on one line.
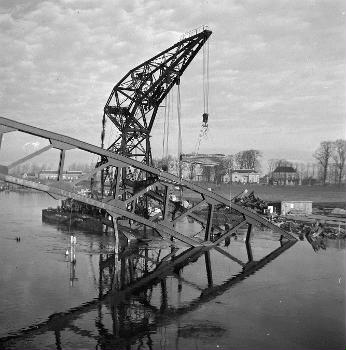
[[116, 234]]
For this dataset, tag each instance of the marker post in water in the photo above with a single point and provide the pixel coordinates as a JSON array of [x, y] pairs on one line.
[[73, 242]]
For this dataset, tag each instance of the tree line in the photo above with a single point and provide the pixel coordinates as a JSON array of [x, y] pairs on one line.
[[328, 168], [34, 168], [247, 159], [330, 156]]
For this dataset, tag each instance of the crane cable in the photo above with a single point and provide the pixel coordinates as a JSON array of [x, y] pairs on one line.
[[164, 128], [204, 128], [180, 140], [165, 137], [206, 78]]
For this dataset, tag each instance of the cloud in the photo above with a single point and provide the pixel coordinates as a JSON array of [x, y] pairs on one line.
[[31, 146], [275, 66]]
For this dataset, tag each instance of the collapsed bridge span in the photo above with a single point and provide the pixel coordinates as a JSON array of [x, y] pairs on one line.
[[122, 202]]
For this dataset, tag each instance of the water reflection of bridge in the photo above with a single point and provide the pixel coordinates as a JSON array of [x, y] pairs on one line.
[[134, 300], [127, 282]]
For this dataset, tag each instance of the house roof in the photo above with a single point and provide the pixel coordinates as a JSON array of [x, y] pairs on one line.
[[55, 172], [204, 155], [285, 169], [244, 171], [48, 172], [73, 172], [205, 161]]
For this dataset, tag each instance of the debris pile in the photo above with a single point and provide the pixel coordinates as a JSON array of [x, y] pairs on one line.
[[310, 229], [250, 201]]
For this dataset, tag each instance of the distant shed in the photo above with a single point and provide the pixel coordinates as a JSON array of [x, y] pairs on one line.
[[291, 207], [296, 207]]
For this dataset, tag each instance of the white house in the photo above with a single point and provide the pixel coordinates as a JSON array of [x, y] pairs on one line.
[[68, 175], [242, 176]]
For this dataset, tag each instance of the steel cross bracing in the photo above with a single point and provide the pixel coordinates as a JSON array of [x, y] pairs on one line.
[[216, 220], [134, 101]]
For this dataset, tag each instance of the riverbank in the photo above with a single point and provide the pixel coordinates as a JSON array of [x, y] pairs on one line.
[[332, 196]]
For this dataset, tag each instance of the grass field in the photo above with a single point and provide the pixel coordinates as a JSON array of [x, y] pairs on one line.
[[332, 194]]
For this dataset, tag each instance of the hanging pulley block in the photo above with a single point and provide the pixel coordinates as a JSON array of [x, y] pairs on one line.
[[205, 118]]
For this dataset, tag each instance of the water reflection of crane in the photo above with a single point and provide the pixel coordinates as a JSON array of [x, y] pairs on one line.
[[128, 282]]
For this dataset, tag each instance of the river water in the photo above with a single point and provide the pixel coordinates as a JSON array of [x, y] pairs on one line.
[[264, 296]]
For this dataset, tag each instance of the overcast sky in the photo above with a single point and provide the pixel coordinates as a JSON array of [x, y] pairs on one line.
[[277, 68]]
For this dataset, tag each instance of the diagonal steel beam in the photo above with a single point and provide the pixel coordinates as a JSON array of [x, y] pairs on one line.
[[140, 193], [90, 174], [230, 256], [29, 156], [189, 211], [232, 230]]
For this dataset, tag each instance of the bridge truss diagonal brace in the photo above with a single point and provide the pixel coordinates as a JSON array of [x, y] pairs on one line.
[[230, 256], [90, 174], [190, 211], [29, 156], [140, 193], [4, 130], [229, 233]]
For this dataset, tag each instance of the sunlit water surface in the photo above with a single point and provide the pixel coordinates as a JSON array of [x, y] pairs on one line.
[[294, 301]]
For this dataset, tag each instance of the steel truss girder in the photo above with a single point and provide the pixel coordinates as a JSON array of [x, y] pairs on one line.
[[124, 201]]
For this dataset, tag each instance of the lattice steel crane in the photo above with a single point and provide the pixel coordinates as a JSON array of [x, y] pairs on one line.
[[133, 105], [134, 101]]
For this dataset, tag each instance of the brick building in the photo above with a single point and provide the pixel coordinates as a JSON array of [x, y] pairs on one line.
[[285, 175]]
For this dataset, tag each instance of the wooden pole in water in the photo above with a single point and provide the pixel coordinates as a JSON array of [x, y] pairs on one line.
[[116, 234], [230, 194]]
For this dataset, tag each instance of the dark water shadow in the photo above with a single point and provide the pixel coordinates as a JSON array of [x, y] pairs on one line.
[[127, 280]]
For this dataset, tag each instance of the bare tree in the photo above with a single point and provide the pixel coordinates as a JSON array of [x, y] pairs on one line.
[[333, 173], [323, 155], [207, 173], [191, 171], [283, 162], [228, 163], [307, 174], [272, 164], [301, 169], [339, 158], [248, 159]]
